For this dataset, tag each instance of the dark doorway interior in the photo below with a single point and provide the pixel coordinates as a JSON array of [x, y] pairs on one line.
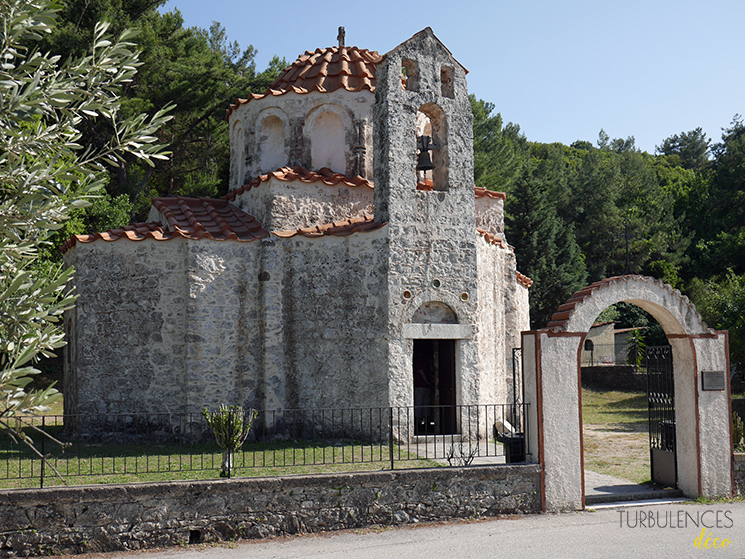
[[434, 387]]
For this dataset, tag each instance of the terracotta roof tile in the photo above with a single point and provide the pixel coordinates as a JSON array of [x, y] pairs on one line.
[[191, 218], [200, 218], [481, 192], [524, 280], [493, 239], [343, 228], [289, 174], [324, 70], [133, 232]]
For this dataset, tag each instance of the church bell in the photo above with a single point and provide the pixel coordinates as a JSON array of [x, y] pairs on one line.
[[424, 161]]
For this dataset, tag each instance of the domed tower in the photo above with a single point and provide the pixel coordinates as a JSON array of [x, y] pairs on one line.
[[311, 129]]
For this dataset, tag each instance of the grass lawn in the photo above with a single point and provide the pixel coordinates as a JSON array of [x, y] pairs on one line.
[[616, 434]]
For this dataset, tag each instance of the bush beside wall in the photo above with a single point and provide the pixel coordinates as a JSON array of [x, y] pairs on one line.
[[740, 474], [71, 520]]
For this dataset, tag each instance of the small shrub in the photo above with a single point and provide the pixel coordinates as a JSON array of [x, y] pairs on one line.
[[737, 432], [231, 425]]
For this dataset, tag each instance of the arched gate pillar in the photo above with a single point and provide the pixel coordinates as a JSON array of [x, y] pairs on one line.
[[551, 365]]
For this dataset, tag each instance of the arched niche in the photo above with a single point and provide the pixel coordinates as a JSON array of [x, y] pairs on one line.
[[237, 158], [326, 128], [434, 312], [271, 132]]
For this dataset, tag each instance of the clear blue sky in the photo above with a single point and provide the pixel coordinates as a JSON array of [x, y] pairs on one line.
[[562, 70]]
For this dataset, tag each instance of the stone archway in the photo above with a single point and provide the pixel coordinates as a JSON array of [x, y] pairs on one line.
[[551, 364]]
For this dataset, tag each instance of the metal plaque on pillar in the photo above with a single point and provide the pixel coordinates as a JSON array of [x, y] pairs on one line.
[[713, 380]]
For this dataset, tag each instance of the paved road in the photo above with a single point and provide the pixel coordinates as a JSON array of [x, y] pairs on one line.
[[607, 532]]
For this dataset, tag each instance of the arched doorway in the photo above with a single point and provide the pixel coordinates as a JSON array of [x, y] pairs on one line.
[[551, 365]]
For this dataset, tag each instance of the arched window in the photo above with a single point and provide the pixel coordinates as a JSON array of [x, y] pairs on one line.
[[409, 75], [431, 134], [327, 143]]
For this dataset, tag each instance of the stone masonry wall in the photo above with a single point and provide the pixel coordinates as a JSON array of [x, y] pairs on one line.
[[333, 320], [286, 206], [127, 331], [432, 234], [130, 517], [223, 334], [491, 322], [296, 111]]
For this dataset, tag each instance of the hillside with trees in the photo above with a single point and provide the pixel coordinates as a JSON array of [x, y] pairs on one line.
[[570, 211]]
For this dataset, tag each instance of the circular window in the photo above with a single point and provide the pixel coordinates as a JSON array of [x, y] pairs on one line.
[[407, 295], [436, 283], [464, 296]]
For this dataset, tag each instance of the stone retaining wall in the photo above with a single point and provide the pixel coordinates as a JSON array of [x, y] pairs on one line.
[[740, 474], [139, 516]]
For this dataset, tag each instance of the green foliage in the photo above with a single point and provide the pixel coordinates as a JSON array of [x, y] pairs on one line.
[[636, 348], [738, 430], [689, 150], [231, 426], [721, 302], [499, 152], [200, 71], [545, 246], [45, 174]]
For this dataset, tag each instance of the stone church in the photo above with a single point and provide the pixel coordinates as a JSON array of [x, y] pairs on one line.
[[352, 249]]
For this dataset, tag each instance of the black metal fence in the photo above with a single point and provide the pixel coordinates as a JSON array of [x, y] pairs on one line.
[[122, 448]]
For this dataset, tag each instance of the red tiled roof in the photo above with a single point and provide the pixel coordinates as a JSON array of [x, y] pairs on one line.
[[289, 174], [191, 218], [207, 218], [323, 70], [524, 280], [342, 228]]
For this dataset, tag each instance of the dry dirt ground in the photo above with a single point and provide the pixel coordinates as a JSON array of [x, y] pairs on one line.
[[620, 450]]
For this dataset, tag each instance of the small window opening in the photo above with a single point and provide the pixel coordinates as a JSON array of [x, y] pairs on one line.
[[195, 536], [446, 77], [409, 75]]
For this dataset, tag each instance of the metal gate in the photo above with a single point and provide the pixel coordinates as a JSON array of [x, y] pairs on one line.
[[661, 405]]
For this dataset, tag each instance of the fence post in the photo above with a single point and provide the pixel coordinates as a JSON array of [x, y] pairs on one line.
[[43, 453], [390, 435]]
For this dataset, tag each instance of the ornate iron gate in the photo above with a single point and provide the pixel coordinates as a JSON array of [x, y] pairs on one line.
[[661, 404]]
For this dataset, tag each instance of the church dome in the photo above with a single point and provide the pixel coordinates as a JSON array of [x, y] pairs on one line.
[[324, 70]]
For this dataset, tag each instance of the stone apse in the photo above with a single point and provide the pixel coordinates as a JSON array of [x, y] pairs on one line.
[[551, 365]]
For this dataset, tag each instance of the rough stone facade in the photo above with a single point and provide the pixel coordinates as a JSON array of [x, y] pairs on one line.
[[74, 520], [305, 287]]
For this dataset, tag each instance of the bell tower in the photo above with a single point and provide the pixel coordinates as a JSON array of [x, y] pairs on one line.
[[424, 191]]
